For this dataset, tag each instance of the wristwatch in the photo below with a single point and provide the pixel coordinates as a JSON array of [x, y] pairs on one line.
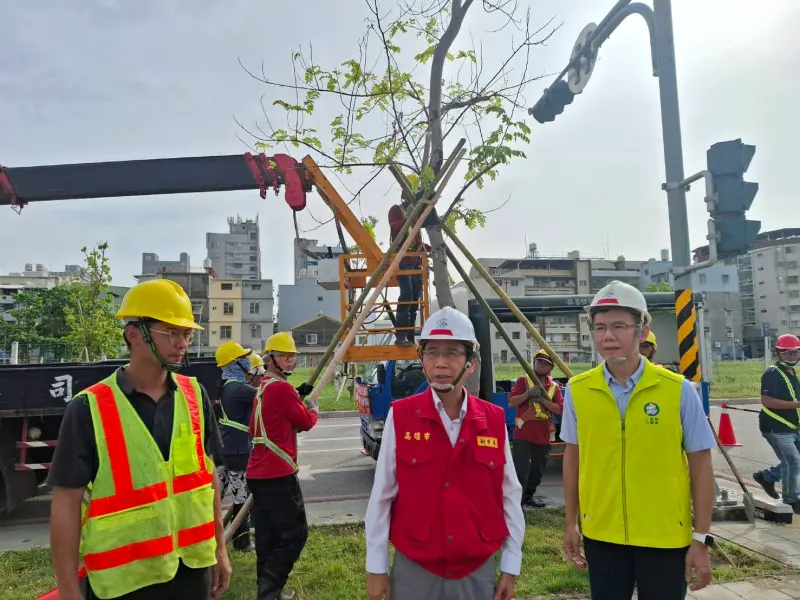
[[704, 538]]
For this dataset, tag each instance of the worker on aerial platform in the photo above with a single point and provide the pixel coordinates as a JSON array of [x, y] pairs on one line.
[[410, 285], [445, 491], [637, 460], [278, 507], [138, 445]]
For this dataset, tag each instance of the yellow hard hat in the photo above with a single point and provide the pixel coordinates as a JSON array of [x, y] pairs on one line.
[[651, 339], [256, 361], [280, 342], [229, 352], [542, 355], [161, 300]]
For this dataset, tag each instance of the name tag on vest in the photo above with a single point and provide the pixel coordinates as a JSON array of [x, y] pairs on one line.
[[488, 442]]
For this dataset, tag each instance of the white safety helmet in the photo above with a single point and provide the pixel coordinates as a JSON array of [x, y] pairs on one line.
[[448, 323], [618, 294]]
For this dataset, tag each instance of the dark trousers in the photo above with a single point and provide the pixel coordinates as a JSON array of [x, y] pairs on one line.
[[279, 516], [614, 571], [410, 291], [529, 462], [188, 584]]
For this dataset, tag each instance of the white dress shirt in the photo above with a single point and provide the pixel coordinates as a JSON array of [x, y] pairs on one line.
[[384, 491]]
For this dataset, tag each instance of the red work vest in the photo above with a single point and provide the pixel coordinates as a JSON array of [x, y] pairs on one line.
[[448, 514]]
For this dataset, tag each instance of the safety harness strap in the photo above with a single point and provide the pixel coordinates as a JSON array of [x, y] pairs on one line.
[[260, 436], [776, 416]]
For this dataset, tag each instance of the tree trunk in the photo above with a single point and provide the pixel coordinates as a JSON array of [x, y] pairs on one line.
[[441, 277]]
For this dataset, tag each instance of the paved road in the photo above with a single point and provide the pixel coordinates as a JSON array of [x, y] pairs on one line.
[[335, 476]]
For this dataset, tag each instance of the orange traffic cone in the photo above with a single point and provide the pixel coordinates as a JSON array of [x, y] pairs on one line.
[[726, 435]]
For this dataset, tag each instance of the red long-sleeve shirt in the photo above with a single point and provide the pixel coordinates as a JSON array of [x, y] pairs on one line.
[[284, 415], [397, 218]]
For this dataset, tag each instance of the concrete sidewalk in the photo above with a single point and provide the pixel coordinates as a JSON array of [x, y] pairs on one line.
[[785, 588]]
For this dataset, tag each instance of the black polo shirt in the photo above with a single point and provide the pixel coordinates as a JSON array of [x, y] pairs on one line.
[[75, 460], [774, 386]]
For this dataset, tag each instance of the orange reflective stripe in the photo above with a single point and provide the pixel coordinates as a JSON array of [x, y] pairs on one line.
[[124, 555], [125, 496], [191, 481], [196, 534]]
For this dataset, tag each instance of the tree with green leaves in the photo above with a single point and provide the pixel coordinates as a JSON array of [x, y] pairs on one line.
[[403, 109], [661, 286], [93, 329]]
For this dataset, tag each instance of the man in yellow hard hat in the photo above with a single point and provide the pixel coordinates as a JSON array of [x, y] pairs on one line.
[[137, 446], [648, 347], [236, 396], [637, 464], [536, 407], [278, 508]]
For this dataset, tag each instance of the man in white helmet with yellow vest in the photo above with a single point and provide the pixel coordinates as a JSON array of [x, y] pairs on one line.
[[445, 491], [278, 507], [134, 490], [637, 461]]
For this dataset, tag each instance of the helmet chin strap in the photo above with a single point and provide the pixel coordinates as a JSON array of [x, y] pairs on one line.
[[277, 367], [167, 366], [447, 387]]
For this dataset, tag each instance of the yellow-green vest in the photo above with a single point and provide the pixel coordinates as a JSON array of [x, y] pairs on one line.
[[144, 514], [634, 479], [790, 387]]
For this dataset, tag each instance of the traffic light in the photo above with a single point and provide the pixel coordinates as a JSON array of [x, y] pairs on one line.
[[728, 162], [552, 102]]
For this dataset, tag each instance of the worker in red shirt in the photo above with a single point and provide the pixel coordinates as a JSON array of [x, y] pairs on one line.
[[281, 528], [535, 410], [445, 492], [410, 285]]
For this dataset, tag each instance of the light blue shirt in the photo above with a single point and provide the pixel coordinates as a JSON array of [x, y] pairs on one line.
[[697, 434]]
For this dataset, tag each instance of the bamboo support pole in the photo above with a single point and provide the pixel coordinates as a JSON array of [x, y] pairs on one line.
[[508, 302]]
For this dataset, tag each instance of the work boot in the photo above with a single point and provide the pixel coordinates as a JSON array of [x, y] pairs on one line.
[[401, 321], [795, 506], [767, 486], [269, 590], [533, 502]]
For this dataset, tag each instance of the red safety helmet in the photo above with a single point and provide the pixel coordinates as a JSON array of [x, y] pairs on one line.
[[787, 342]]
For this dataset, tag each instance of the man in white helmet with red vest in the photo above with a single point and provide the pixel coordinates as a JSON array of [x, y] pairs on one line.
[[637, 461], [445, 491]]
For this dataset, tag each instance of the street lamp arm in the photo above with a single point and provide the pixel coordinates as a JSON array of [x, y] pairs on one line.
[[601, 35]]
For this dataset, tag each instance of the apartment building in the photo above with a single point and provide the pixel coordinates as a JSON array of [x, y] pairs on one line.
[[769, 284], [722, 307], [151, 263], [305, 265], [240, 311], [237, 253]]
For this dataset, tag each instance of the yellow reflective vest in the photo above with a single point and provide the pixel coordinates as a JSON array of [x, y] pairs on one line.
[[634, 479], [539, 412], [144, 514]]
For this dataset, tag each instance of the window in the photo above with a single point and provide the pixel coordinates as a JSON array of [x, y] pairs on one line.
[[793, 279], [311, 339], [255, 308], [515, 335], [237, 265], [791, 264], [729, 332], [582, 282], [254, 237], [227, 308], [504, 356], [226, 286], [319, 298], [237, 255], [726, 278], [253, 257], [197, 307], [253, 247], [225, 332], [498, 335], [252, 269], [585, 338], [792, 294], [514, 283], [789, 249], [256, 287], [255, 331], [706, 330]]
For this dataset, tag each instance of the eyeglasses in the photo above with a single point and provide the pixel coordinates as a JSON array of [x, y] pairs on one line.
[[616, 328], [175, 335], [448, 354]]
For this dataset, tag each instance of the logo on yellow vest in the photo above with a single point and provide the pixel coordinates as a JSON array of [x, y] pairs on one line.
[[488, 442], [651, 410]]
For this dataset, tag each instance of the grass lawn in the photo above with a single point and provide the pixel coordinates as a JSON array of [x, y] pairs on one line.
[[731, 379], [332, 566]]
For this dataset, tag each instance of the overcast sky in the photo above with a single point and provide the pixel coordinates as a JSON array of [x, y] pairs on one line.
[[115, 80]]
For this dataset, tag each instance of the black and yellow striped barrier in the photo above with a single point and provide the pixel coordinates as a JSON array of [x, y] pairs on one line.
[[688, 347]]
